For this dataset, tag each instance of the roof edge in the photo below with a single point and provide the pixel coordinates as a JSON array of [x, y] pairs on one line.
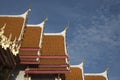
[[62, 33], [81, 66], [42, 24], [21, 15], [104, 74], [25, 13], [25, 16]]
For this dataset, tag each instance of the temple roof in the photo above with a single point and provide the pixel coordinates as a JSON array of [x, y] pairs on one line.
[[15, 24], [46, 50], [76, 73], [33, 35]]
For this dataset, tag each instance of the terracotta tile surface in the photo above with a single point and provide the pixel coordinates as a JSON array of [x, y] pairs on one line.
[[75, 74], [28, 60], [52, 61], [13, 25], [48, 69], [87, 77], [31, 37], [53, 45], [28, 53]]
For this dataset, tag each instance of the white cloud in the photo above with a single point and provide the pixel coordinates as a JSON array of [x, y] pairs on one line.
[[99, 43]]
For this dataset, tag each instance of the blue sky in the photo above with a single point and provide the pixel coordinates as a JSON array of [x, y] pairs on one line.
[[94, 28]]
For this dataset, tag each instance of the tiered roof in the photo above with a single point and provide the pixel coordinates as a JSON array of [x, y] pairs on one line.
[[30, 47], [54, 59], [46, 52]]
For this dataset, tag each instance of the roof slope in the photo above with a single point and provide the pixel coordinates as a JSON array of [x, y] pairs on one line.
[[76, 73], [53, 45], [32, 37], [32, 40], [15, 24]]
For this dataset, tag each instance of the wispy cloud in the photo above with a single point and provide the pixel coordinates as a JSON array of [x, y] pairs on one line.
[[99, 43]]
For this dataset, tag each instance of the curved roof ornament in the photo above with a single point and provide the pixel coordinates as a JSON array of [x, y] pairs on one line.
[[25, 16], [103, 74], [106, 73], [67, 27], [44, 22], [26, 13], [15, 47], [7, 42], [65, 30], [79, 65]]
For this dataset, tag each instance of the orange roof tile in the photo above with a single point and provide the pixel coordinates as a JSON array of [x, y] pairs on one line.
[[93, 77], [53, 45], [13, 25], [48, 69], [29, 60], [52, 61], [32, 37], [75, 74], [27, 53]]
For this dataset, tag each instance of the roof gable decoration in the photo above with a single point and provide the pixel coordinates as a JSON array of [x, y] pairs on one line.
[[25, 16], [4, 41], [3, 38], [64, 33], [21, 15], [103, 74], [42, 25], [81, 66], [15, 47], [7, 43]]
